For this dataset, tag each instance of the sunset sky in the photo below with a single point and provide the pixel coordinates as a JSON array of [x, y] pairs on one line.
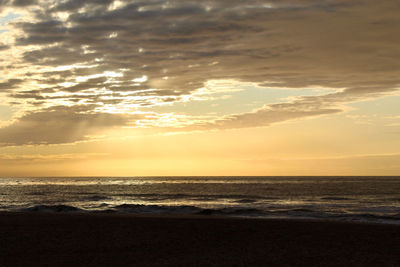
[[228, 87]]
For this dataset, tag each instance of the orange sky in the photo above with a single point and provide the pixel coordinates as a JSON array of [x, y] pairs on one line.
[[122, 88]]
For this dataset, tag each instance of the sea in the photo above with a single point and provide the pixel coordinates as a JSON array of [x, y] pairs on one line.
[[361, 199]]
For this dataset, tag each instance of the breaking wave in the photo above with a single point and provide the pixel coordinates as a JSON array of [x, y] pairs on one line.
[[229, 211], [51, 208]]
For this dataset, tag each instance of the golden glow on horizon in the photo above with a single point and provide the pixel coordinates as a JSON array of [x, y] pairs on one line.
[[260, 151]]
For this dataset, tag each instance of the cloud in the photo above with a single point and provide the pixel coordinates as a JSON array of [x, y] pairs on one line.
[[16, 3], [351, 46], [269, 115], [33, 159], [300, 107], [56, 126], [3, 47], [23, 3], [9, 84]]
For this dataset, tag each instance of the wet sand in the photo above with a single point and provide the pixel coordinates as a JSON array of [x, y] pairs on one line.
[[39, 239]]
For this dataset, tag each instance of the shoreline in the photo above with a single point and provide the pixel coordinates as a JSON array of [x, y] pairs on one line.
[[110, 239], [206, 213]]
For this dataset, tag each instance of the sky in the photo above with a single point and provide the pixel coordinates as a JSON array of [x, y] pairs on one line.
[[228, 87]]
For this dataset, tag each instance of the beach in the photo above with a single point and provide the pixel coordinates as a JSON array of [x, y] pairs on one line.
[[81, 239]]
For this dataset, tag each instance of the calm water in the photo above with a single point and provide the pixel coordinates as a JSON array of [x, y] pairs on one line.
[[341, 198]]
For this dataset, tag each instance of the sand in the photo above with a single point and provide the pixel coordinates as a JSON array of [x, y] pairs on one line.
[[39, 239]]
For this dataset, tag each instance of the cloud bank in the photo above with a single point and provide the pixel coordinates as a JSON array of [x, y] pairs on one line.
[[124, 56], [56, 126]]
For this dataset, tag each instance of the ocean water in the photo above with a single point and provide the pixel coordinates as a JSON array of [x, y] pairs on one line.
[[370, 199]]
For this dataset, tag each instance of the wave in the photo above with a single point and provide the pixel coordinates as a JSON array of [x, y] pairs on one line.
[[36, 193], [336, 198], [227, 211], [206, 197], [51, 208], [232, 211], [137, 208], [393, 199], [190, 195], [245, 200], [96, 198]]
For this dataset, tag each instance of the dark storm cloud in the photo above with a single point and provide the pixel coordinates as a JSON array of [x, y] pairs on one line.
[[179, 45], [57, 125]]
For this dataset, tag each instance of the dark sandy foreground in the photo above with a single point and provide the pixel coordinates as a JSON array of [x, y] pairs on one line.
[[37, 239]]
